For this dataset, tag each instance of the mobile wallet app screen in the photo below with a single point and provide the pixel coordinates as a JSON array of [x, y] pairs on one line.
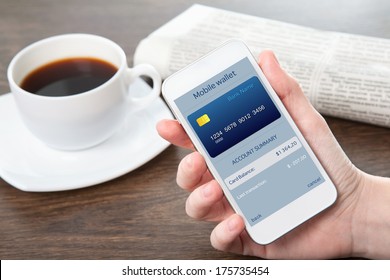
[[252, 146]]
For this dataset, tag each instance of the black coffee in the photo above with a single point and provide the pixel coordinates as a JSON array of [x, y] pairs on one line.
[[68, 76]]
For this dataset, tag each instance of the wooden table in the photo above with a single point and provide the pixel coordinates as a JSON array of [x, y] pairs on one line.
[[141, 215]]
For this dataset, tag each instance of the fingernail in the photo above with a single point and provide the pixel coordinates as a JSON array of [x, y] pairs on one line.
[[275, 58]]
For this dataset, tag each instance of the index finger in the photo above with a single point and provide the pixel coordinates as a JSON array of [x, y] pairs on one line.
[[173, 132]]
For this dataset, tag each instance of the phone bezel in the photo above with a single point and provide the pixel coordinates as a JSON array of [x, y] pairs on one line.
[[294, 213]]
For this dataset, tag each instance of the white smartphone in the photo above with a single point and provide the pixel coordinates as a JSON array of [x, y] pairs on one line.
[[267, 171]]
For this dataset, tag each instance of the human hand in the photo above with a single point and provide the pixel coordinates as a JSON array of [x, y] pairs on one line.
[[327, 235]]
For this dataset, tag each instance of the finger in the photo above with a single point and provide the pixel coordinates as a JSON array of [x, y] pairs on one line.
[[286, 87], [226, 235], [192, 172], [208, 203], [293, 98], [174, 133], [312, 125], [281, 81]]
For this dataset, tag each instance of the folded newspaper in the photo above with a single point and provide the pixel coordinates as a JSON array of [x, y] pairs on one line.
[[344, 75]]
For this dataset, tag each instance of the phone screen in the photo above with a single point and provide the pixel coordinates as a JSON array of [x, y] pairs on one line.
[[249, 141]]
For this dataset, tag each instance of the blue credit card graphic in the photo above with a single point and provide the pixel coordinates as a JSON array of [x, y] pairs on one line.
[[233, 116]]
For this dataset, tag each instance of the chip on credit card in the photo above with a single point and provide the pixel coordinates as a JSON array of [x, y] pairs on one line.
[[234, 116], [203, 120]]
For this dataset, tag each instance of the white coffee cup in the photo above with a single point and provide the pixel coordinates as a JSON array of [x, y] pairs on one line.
[[86, 119]]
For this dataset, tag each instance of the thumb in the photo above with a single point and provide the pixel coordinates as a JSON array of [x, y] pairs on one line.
[[286, 88]]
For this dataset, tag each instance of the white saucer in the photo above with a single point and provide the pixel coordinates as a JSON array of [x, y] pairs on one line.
[[30, 165]]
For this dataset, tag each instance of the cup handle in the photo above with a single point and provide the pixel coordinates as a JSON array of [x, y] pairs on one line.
[[139, 103]]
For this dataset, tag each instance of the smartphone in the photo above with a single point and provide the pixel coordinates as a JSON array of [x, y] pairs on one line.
[[251, 145]]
